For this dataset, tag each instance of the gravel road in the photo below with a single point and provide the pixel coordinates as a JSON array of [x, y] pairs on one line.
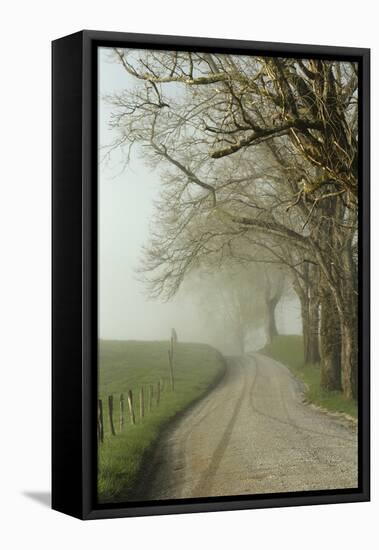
[[253, 434]]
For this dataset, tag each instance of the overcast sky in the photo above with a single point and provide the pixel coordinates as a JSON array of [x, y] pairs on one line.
[[125, 210]]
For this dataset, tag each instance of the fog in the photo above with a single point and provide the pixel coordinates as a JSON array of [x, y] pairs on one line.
[[126, 205]]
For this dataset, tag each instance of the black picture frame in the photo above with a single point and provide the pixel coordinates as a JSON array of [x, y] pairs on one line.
[[74, 273]]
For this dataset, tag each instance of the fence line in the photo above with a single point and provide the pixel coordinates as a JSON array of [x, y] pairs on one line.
[[110, 410], [131, 408], [121, 412], [147, 402], [151, 396], [141, 404], [100, 421]]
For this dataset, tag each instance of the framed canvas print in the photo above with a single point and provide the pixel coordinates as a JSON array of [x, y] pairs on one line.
[[210, 275]]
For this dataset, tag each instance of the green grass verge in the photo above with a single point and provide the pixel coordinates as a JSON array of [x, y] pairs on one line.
[[130, 365], [289, 351]]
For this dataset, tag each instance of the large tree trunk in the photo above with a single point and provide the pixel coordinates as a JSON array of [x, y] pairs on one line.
[[349, 325], [313, 352], [310, 321], [335, 256], [330, 343], [346, 293], [306, 288], [349, 358], [345, 299], [270, 325], [273, 293], [304, 301]]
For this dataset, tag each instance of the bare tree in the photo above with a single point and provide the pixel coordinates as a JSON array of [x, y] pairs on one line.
[[255, 147], [273, 291]]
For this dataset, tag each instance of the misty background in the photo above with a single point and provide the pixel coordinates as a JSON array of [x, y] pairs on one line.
[[125, 211]]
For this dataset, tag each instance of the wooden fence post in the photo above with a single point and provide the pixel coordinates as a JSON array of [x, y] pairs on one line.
[[110, 407], [158, 392], [121, 412], [151, 395], [171, 363], [100, 422], [131, 408], [141, 404]]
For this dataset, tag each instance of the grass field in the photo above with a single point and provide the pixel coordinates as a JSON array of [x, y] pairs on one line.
[[131, 365], [289, 351]]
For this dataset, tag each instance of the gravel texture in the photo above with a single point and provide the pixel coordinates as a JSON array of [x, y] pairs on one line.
[[252, 434]]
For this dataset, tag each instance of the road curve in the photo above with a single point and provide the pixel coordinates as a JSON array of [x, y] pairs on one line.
[[252, 435]]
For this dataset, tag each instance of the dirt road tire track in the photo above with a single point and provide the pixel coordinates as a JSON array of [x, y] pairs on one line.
[[252, 435]]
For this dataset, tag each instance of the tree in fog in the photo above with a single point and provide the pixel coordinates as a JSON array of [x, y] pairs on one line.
[[254, 148], [239, 299]]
